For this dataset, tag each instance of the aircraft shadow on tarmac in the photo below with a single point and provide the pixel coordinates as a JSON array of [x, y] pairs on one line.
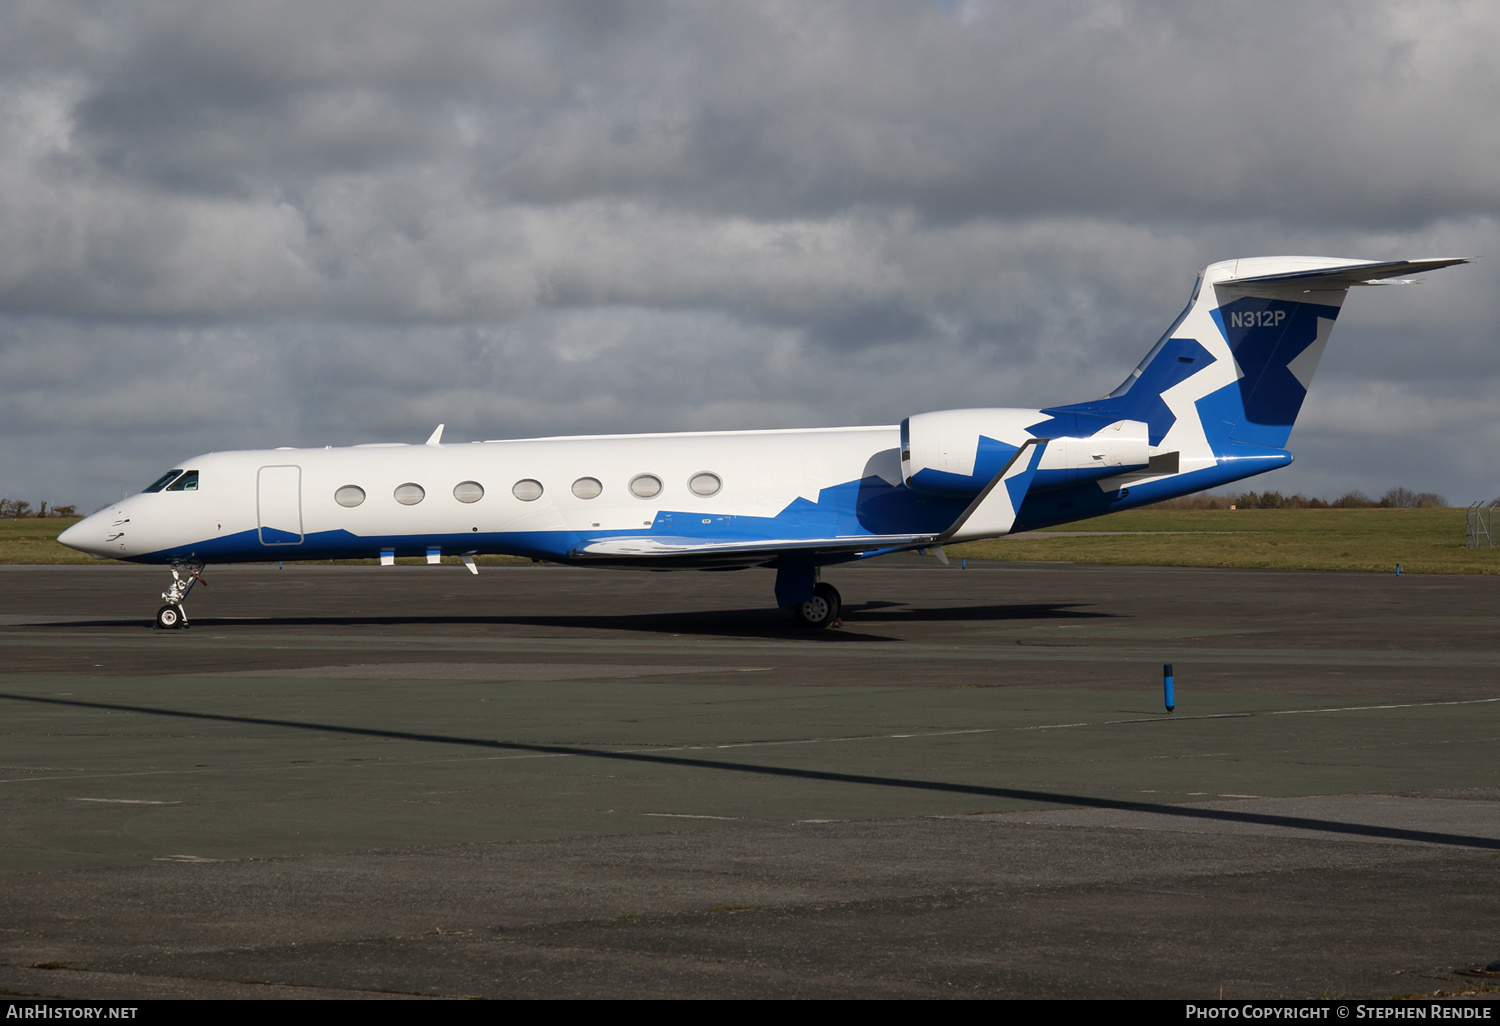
[[899, 612], [753, 623], [869, 780]]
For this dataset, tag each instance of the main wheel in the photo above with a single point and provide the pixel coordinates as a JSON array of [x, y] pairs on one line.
[[820, 611], [170, 618]]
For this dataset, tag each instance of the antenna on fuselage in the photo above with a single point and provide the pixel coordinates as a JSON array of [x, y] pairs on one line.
[[437, 436]]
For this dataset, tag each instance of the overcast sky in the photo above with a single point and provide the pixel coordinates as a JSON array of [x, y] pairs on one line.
[[266, 223]]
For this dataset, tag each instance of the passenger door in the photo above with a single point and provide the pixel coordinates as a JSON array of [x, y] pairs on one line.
[[278, 499]]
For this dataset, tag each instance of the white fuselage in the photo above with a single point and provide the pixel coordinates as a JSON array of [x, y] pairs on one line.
[[225, 517]]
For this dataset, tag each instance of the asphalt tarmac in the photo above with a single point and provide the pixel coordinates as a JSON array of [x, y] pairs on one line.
[[549, 782]]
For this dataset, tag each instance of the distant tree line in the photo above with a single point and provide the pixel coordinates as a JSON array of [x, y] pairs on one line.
[[1396, 498], [16, 509]]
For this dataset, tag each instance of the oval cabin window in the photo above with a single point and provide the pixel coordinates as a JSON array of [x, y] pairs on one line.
[[410, 494], [527, 490], [645, 486], [468, 491], [349, 495], [705, 484], [587, 488]]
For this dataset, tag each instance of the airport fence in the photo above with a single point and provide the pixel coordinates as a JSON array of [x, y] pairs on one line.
[[1481, 518]]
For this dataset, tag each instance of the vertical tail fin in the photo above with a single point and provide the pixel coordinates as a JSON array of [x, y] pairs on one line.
[[1236, 365], [1276, 334]]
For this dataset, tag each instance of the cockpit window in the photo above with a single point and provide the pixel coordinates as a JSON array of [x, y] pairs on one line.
[[186, 483], [164, 480]]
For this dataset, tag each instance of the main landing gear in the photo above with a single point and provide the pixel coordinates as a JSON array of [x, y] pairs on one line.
[[184, 575], [820, 611]]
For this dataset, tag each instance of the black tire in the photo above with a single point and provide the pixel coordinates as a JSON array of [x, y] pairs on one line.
[[821, 611], [170, 618]]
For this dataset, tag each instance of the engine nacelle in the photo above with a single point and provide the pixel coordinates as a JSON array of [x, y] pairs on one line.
[[1114, 448], [956, 453]]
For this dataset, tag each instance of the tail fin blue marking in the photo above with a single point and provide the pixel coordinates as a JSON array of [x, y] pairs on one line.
[[1175, 360], [1268, 338]]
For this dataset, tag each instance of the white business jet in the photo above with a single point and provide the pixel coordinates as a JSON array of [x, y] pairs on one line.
[[1213, 402]]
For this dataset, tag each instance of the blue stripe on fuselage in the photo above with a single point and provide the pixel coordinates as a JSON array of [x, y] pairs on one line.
[[870, 505]]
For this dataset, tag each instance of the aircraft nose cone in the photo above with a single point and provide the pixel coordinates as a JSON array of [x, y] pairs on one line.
[[74, 536], [88, 535]]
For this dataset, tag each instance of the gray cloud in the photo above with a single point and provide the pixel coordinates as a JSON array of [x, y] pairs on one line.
[[278, 223]]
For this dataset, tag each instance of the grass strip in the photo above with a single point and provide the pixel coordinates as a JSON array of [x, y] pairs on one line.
[[1422, 541]]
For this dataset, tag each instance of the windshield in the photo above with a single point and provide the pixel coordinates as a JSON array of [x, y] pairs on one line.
[[186, 483], [163, 481]]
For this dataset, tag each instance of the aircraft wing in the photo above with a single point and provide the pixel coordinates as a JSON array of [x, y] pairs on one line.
[[640, 545], [989, 515]]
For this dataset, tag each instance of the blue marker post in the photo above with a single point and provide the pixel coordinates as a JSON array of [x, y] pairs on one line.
[[1166, 686], [1398, 569]]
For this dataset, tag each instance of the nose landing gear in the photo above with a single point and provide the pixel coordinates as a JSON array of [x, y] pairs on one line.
[[172, 616]]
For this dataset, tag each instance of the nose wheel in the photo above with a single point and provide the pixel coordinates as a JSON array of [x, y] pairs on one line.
[[171, 616], [820, 611]]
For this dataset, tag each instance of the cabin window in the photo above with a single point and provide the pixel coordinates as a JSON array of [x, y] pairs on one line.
[[587, 488], [186, 483], [164, 480], [527, 490], [645, 486], [349, 495], [410, 494], [468, 491], [705, 484]]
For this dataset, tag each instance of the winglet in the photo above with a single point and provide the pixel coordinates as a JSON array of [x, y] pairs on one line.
[[994, 512], [437, 436]]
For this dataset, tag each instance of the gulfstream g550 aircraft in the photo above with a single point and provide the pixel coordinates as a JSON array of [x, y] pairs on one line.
[[1213, 402]]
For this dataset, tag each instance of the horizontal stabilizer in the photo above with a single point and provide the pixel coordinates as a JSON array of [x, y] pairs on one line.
[[1364, 272]]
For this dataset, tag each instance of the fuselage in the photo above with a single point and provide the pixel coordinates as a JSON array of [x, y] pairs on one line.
[[530, 497], [547, 497]]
